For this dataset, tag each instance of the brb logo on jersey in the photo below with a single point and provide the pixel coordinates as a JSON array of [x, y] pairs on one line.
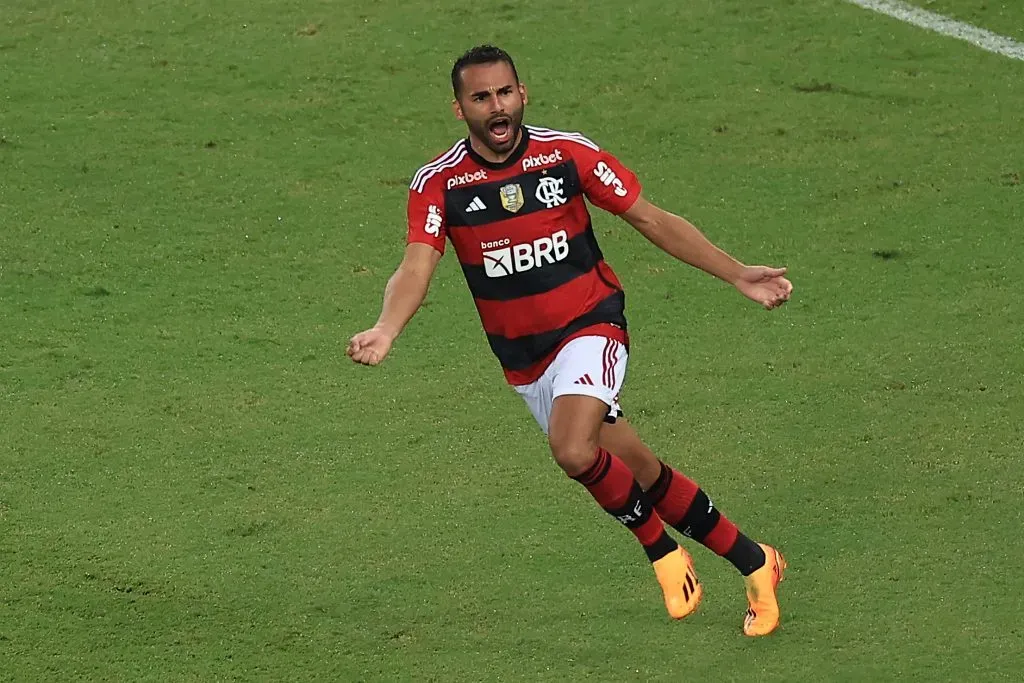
[[432, 226], [466, 178], [542, 160], [519, 258], [609, 179]]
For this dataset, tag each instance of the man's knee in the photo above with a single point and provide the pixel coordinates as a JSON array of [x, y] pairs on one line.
[[574, 431], [623, 441], [573, 453]]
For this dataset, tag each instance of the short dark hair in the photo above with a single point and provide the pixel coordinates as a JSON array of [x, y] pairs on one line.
[[481, 54]]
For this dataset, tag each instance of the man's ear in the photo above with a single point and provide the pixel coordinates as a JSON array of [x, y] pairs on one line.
[[457, 110], [522, 93]]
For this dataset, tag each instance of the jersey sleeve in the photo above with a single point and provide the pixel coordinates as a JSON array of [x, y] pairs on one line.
[[426, 218], [607, 182]]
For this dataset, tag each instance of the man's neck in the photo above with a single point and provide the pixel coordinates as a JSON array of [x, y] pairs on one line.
[[489, 154]]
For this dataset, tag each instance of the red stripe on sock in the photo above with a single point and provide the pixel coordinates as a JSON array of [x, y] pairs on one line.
[[615, 489], [612, 490], [720, 539], [650, 531], [677, 498], [596, 471]]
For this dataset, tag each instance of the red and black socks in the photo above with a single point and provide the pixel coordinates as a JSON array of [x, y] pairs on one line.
[[612, 485], [683, 504]]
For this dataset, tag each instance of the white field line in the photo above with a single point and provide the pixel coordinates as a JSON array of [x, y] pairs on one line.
[[986, 40]]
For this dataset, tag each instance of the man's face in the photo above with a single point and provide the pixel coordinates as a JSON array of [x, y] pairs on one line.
[[491, 103]]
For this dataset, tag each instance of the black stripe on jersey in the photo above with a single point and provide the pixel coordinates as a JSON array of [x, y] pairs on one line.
[[584, 254], [523, 352], [481, 204]]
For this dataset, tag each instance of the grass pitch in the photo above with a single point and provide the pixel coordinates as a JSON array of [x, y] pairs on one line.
[[202, 202]]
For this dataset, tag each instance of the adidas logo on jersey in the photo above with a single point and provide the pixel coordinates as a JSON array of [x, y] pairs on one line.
[[476, 205]]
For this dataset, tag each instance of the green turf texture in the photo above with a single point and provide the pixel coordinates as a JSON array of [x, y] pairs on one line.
[[201, 202], [1003, 18]]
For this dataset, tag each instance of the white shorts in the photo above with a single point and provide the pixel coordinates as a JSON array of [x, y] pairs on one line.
[[589, 366]]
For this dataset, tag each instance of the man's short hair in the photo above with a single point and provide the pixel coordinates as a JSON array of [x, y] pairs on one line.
[[481, 54]]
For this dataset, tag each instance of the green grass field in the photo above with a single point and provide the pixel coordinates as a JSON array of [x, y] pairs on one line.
[[201, 203]]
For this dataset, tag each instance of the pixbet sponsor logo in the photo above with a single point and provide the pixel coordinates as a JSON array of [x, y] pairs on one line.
[[608, 178], [518, 258], [465, 178], [542, 160]]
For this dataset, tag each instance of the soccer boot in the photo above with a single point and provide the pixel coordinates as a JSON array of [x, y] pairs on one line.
[[679, 583], [763, 614]]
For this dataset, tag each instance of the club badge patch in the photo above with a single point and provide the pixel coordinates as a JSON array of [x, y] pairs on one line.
[[511, 197]]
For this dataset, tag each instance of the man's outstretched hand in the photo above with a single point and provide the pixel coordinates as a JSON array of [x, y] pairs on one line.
[[369, 347], [764, 285]]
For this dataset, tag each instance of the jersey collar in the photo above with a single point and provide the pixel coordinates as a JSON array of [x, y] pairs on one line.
[[513, 158]]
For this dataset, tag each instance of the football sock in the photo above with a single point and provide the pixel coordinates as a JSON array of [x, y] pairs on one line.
[[683, 504], [612, 485]]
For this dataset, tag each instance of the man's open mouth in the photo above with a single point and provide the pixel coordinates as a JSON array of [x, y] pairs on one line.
[[501, 129]]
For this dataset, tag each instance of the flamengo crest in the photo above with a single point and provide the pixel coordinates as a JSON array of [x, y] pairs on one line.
[[550, 193]]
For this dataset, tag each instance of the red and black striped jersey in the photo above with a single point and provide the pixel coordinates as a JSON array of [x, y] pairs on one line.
[[522, 232]]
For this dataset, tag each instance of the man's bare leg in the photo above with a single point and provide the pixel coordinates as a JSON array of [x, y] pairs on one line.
[[622, 440]]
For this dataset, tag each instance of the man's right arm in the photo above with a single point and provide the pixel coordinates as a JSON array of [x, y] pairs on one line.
[[407, 288], [425, 240], [403, 296]]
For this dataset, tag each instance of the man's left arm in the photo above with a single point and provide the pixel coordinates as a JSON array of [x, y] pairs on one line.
[[611, 186], [678, 237]]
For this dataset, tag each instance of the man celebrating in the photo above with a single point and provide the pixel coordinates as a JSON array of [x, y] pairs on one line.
[[510, 198]]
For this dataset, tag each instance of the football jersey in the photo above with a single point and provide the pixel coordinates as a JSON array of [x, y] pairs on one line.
[[522, 233]]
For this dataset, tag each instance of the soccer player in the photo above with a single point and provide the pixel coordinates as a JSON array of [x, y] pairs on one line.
[[510, 198]]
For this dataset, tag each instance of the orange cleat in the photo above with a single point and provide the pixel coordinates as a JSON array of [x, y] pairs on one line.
[[763, 615], [679, 583]]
